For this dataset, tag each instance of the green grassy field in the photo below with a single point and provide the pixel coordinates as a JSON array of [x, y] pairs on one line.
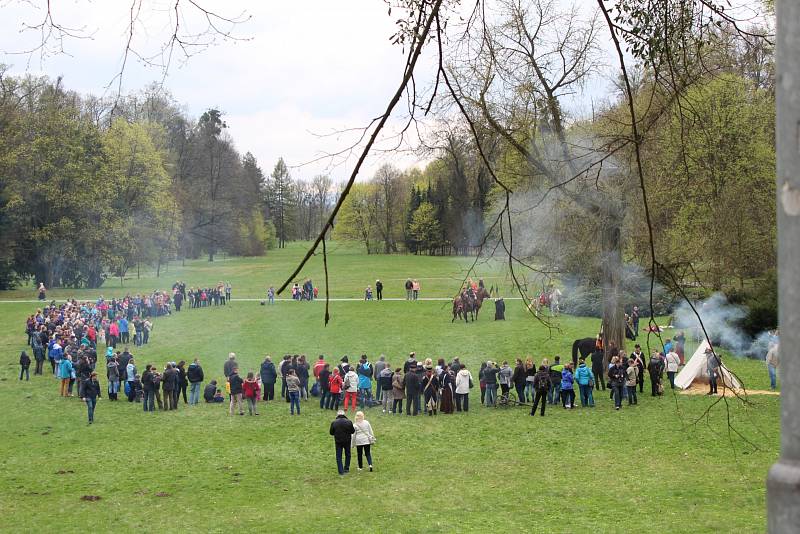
[[647, 468]]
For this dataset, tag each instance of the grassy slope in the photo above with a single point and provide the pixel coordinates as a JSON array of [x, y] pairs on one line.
[[638, 469]]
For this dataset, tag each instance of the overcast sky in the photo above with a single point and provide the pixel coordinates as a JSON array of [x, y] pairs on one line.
[[305, 68]]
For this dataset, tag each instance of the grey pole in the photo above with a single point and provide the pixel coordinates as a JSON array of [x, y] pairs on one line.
[[783, 482]]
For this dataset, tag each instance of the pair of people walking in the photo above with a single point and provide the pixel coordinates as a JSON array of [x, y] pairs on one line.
[[346, 435]]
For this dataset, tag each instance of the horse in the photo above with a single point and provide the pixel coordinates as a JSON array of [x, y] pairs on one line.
[[585, 346], [458, 308], [480, 296]]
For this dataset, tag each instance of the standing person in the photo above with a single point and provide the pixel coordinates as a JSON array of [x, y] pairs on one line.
[[251, 389], [518, 378], [24, 365], [235, 381], [336, 383], [228, 292], [112, 374], [350, 390], [415, 288], [230, 365], [324, 381], [271, 295], [379, 289], [342, 430], [409, 291], [616, 379], [42, 291], [530, 373], [585, 379], [363, 438], [413, 385], [398, 392], [89, 392], [268, 378], [554, 395], [302, 374], [672, 363], [635, 321], [365, 372], [713, 364], [379, 366], [195, 376], [463, 384], [638, 358], [38, 352], [541, 386], [293, 387], [430, 389], [385, 386], [567, 387], [169, 383], [183, 382], [148, 388], [656, 369], [490, 379], [447, 382], [772, 359], [482, 382], [130, 376], [631, 381]]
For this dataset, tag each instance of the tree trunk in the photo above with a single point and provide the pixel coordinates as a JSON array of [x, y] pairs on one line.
[[613, 314]]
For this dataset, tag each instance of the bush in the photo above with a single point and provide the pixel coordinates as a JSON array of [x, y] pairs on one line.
[[762, 306]]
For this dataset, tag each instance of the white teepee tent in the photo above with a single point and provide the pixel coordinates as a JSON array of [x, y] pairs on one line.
[[696, 370]]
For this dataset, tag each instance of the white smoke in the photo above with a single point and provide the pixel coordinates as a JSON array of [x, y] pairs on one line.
[[721, 321]]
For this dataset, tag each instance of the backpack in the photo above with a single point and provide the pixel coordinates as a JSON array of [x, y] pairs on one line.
[[346, 382]]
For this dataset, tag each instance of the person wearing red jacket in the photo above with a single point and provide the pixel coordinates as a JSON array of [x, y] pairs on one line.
[[336, 383], [319, 366], [251, 390]]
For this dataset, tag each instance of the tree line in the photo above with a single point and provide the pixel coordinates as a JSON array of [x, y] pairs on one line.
[[92, 187]]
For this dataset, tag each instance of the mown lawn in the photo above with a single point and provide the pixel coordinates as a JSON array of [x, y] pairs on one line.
[[649, 468]]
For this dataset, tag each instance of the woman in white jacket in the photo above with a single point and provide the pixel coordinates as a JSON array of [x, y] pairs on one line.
[[362, 439], [463, 383]]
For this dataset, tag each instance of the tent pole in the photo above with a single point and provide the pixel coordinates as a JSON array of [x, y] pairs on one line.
[[783, 482]]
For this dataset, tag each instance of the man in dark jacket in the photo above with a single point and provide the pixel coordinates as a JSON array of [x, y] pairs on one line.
[[656, 369], [268, 378], [236, 383], [499, 310], [379, 289], [148, 388], [195, 376], [210, 391], [24, 365], [541, 386], [89, 392], [413, 385], [597, 369], [169, 384], [342, 430]]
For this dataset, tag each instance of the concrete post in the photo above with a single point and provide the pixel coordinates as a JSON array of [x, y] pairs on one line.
[[783, 482]]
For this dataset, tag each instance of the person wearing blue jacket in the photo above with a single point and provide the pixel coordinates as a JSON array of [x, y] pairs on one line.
[[123, 330], [364, 370], [567, 387], [585, 379], [65, 374]]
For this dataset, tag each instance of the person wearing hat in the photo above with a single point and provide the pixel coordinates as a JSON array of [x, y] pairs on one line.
[[342, 430], [89, 393], [713, 364]]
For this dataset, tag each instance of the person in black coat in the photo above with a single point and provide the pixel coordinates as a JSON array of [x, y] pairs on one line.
[[195, 376], [379, 289], [183, 383], [148, 388], [169, 384], [209, 391], [89, 392], [24, 365], [268, 378], [499, 310], [597, 369], [413, 384], [541, 385], [342, 430]]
